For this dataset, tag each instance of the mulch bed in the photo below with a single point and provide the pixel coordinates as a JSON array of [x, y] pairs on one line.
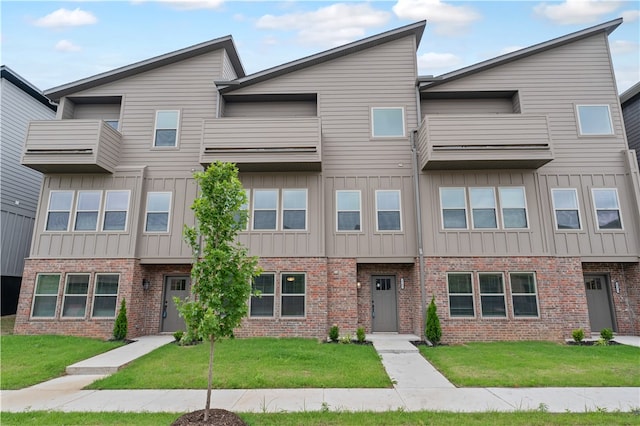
[[217, 417], [590, 343]]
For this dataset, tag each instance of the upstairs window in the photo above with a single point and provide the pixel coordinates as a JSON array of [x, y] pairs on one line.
[[294, 209], [348, 210], [262, 305], [116, 207], [87, 208], [514, 207], [607, 208], [565, 206], [388, 210], [158, 207], [59, 210], [265, 209], [387, 122], [483, 208], [166, 129], [594, 120], [241, 216], [454, 208]]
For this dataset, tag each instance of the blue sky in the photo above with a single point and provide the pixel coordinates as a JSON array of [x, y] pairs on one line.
[[52, 43]]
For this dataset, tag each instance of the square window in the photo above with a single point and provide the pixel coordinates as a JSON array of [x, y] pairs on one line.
[[594, 120], [87, 208], [565, 206], [523, 294], [75, 295], [492, 295], [387, 122], [607, 207], [460, 295], [454, 208], [294, 209], [514, 207], [293, 295], [348, 210], [483, 208], [158, 207], [59, 210], [262, 305], [166, 129], [105, 295], [45, 298], [265, 209], [116, 208], [388, 210]]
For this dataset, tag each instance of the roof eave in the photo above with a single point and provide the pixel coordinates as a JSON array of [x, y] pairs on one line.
[[630, 93], [24, 85]]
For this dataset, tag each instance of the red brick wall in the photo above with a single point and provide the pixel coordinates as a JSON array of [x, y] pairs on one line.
[[561, 299], [342, 299], [632, 284]]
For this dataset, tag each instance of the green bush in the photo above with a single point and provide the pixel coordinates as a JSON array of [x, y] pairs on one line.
[[606, 334], [346, 339], [334, 333], [360, 335], [121, 324], [178, 335], [433, 331], [578, 335]]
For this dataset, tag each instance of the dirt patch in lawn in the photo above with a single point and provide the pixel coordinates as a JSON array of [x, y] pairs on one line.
[[217, 417]]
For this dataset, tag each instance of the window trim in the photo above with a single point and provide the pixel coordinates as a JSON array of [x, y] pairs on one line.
[[495, 208], [404, 129], [595, 209], [177, 129], [535, 293], [473, 298], [77, 210], [146, 212], [442, 209], [251, 296], [126, 212], [46, 218], [253, 210], [306, 210], [504, 295], [283, 295], [35, 294], [86, 295], [399, 192], [526, 207], [581, 133], [96, 294], [555, 217], [359, 192]]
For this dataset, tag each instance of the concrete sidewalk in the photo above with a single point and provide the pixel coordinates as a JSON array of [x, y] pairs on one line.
[[417, 386]]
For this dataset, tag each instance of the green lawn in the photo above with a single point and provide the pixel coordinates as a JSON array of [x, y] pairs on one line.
[[28, 360], [255, 363], [535, 364]]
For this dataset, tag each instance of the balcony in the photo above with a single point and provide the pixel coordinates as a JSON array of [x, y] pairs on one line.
[[71, 146], [487, 141], [263, 144]]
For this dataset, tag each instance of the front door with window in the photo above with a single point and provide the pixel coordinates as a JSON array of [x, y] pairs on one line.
[[598, 302], [384, 308], [173, 287]]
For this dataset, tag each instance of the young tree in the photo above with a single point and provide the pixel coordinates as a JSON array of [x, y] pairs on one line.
[[121, 324], [433, 330], [222, 271]]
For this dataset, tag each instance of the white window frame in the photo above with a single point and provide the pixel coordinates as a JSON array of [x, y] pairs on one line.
[[535, 293], [404, 130], [107, 210], [495, 207], [555, 217], [147, 211], [504, 295], [35, 295], [273, 307], [581, 133], [254, 209], [502, 207], [77, 210], [473, 298], [49, 210], [338, 211], [86, 296], [306, 210], [156, 128], [595, 209], [284, 295], [96, 295], [466, 208], [399, 210]]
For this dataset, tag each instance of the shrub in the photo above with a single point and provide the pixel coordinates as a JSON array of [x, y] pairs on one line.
[[601, 342], [606, 334], [360, 335], [578, 335], [334, 333], [345, 339], [433, 330], [121, 324], [178, 335]]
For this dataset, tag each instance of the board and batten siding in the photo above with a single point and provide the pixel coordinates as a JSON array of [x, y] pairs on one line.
[[20, 186], [347, 88]]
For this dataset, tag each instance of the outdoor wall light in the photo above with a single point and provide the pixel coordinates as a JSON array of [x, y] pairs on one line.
[[358, 285], [291, 279], [145, 284]]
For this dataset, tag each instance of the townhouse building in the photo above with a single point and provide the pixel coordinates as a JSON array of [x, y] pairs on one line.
[[504, 190], [630, 102]]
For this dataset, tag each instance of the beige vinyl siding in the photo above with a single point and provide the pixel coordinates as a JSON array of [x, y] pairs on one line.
[[552, 83], [92, 111], [347, 89], [467, 106], [228, 73], [271, 109], [368, 242]]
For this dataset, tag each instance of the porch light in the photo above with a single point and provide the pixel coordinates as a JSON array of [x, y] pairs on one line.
[[291, 278], [145, 284], [358, 285]]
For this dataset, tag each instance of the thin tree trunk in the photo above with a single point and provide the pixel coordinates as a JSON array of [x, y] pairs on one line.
[[210, 384]]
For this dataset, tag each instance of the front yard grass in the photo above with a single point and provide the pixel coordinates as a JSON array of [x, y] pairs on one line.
[[28, 360], [536, 364], [256, 363]]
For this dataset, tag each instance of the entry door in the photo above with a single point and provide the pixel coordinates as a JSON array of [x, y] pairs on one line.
[[384, 308], [598, 302], [174, 287]]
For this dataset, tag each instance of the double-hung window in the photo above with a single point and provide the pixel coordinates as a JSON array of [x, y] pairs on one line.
[[294, 209], [45, 297], [265, 209], [388, 210], [59, 210], [565, 206], [483, 208], [87, 208], [116, 207], [387, 122], [492, 295], [241, 216], [348, 210], [523, 294], [166, 129], [607, 208], [293, 295], [514, 207], [460, 294], [158, 208], [262, 295], [594, 120], [105, 295], [454, 208], [75, 295]]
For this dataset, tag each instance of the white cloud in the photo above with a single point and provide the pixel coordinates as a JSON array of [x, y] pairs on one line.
[[446, 18], [576, 11], [630, 15], [332, 25], [63, 18], [67, 46], [438, 61]]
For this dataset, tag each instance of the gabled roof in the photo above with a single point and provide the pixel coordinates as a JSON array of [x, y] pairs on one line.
[[21, 83], [429, 82], [630, 93], [150, 64], [415, 29]]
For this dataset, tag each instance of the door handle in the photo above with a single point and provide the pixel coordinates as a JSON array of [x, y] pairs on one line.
[[373, 309]]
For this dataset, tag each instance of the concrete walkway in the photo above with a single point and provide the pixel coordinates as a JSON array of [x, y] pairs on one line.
[[417, 386]]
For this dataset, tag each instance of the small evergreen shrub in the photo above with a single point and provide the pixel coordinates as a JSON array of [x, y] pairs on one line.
[[121, 324], [334, 333], [360, 335], [433, 330], [345, 339], [178, 335], [606, 334], [578, 335]]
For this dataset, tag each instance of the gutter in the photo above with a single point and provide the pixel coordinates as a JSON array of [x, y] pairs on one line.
[[416, 189]]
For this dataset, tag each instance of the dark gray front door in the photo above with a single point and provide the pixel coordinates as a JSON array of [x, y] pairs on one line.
[[598, 302], [173, 287], [384, 309]]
